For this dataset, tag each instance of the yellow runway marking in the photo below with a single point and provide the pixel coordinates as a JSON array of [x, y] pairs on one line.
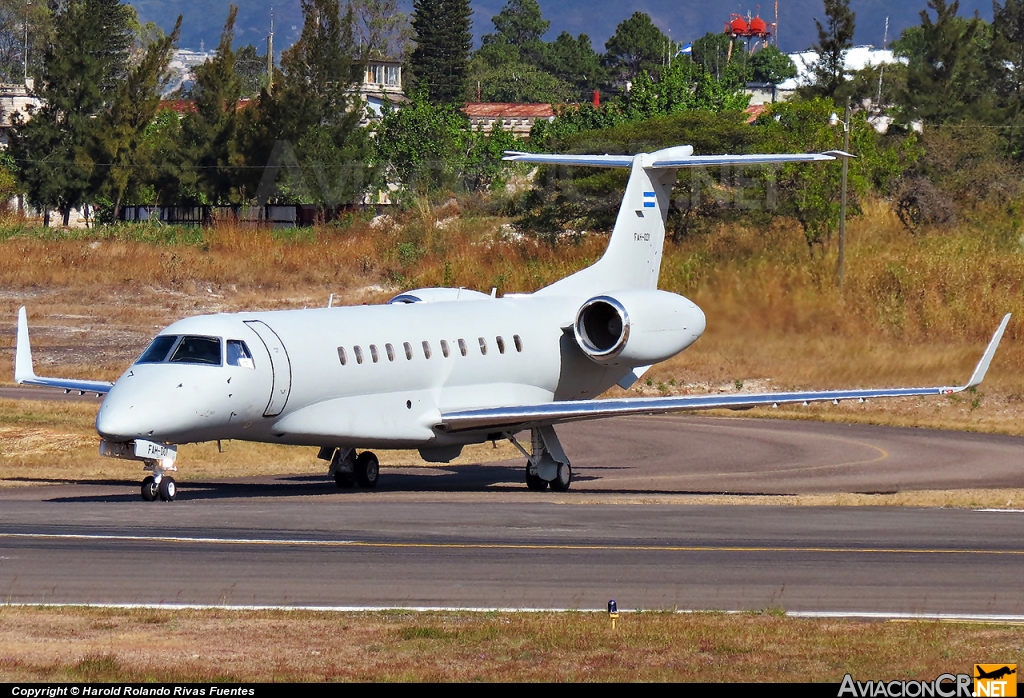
[[270, 542]]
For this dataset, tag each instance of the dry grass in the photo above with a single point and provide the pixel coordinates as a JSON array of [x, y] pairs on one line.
[[65, 644], [57, 442]]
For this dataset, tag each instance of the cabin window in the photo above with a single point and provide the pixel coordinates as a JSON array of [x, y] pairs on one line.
[[358, 351], [342, 356], [390, 351], [158, 350], [518, 342], [197, 350], [373, 353], [462, 347], [426, 349], [408, 350], [501, 344], [483, 346], [239, 355], [444, 348]]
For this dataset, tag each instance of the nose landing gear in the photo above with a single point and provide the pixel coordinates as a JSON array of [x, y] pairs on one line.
[[159, 485]]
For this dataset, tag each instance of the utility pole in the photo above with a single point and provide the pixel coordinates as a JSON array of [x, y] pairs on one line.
[[842, 200], [28, 9], [270, 55]]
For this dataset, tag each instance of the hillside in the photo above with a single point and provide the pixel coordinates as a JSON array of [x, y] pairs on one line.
[[686, 21]]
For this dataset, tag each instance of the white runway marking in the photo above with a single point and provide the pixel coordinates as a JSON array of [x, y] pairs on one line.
[[862, 615]]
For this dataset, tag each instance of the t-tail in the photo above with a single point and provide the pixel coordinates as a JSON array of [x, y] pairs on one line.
[[633, 257]]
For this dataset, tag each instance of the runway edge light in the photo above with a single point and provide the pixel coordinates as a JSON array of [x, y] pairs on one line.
[[613, 612]]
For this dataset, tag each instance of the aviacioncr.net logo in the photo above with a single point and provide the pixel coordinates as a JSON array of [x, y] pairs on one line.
[[945, 686], [995, 680]]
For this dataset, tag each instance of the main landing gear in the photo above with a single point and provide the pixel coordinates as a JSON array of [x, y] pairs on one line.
[[547, 466], [348, 469]]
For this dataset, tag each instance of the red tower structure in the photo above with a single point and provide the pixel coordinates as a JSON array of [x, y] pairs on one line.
[[755, 30]]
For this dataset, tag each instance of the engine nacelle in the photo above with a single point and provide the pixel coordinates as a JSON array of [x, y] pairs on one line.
[[637, 328]]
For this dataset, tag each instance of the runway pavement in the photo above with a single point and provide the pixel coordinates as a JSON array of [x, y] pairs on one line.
[[473, 536]]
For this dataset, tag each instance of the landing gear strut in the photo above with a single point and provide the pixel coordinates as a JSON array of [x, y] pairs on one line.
[[347, 469], [547, 464]]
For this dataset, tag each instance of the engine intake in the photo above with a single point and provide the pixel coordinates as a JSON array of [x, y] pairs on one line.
[[637, 327], [602, 327]]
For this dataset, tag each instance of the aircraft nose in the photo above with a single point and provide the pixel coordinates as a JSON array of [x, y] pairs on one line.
[[114, 420], [699, 322]]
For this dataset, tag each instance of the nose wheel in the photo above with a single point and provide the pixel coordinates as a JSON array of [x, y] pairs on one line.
[[160, 485]]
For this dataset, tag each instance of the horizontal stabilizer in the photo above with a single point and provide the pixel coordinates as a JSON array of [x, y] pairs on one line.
[[582, 160], [760, 159], [24, 372], [526, 416], [670, 158]]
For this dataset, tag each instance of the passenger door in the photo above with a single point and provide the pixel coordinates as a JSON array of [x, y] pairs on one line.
[[280, 364]]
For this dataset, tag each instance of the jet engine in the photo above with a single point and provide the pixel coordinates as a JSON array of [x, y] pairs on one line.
[[637, 327]]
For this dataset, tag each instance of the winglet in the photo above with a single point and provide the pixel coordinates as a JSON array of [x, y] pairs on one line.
[[23, 370], [979, 371], [839, 154]]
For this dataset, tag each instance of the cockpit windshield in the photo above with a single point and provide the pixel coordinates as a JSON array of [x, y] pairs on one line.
[[197, 350], [158, 350]]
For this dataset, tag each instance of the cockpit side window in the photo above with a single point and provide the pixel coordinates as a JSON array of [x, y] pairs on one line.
[[158, 350], [239, 354], [197, 350]]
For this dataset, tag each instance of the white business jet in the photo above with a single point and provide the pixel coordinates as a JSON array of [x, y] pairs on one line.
[[433, 369]]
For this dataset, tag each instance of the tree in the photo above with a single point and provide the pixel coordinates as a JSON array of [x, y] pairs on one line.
[[833, 43], [1007, 61], [771, 65], [508, 67], [14, 14], [520, 82], [636, 45], [380, 28], [712, 52], [121, 142], [209, 131], [947, 79], [443, 41], [251, 69], [79, 75], [310, 125], [574, 61]]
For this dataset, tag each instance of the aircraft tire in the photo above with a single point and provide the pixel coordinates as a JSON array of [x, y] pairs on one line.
[[149, 488], [562, 479], [367, 469], [534, 483], [168, 490], [343, 480]]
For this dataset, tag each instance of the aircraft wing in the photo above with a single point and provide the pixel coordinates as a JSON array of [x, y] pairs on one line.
[[24, 374], [526, 416]]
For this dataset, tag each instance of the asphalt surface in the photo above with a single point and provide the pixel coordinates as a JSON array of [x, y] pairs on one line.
[[473, 536]]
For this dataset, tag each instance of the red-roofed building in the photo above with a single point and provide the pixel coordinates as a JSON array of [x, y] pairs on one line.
[[517, 118]]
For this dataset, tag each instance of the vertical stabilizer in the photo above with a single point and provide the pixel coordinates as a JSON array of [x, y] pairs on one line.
[[633, 257]]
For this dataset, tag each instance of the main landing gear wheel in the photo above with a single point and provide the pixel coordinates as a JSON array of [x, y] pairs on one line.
[[343, 480], [167, 489], [534, 483], [149, 489], [562, 479], [367, 469]]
